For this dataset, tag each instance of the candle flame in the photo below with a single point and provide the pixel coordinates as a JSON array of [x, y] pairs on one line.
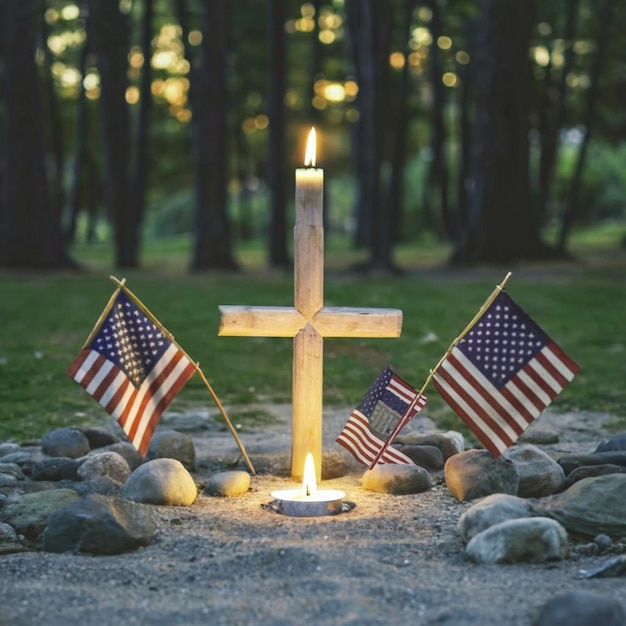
[[309, 157], [309, 480]]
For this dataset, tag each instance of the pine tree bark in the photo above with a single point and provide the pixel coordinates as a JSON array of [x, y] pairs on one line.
[[30, 224], [503, 224], [212, 248]]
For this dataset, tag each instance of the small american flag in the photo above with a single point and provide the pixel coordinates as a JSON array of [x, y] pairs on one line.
[[131, 369], [503, 374], [380, 416]]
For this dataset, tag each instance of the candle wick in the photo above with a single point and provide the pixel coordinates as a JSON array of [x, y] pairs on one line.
[[308, 490]]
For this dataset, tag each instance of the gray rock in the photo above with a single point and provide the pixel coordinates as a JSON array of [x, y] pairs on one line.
[[334, 465], [228, 484], [55, 468], [476, 473], [160, 481], [581, 608], [170, 444], [539, 474], [69, 442], [490, 511], [105, 464], [590, 506], [7, 480], [539, 434], [613, 444], [29, 514], [99, 437], [8, 448], [102, 485], [7, 533], [397, 479], [529, 540], [9, 541], [99, 524], [569, 462], [125, 449], [13, 469], [19, 457], [450, 443], [427, 456], [590, 471]]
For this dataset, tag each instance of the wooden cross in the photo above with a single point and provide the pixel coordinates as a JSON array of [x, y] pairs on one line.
[[308, 322]]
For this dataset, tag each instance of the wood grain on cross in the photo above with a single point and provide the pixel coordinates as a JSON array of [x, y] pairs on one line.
[[308, 322]]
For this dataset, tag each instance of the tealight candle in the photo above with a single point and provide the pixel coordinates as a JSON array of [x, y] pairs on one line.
[[308, 501]]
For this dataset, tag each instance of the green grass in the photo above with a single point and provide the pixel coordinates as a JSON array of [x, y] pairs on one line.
[[45, 318]]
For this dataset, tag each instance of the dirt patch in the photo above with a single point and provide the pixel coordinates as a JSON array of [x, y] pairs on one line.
[[390, 560]]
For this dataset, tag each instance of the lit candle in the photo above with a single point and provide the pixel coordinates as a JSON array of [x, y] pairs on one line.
[[308, 500], [310, 185], [308, 300]]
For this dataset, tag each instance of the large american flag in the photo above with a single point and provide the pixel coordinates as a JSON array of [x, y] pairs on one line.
[[378, 418], [503, 374], [131, 369]]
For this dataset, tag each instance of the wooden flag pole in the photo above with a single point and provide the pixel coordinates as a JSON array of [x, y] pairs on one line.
[[226, 419], [399, 426], [168, 334], [105, 312]]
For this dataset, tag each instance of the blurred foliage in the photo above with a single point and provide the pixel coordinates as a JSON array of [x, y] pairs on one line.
[[321, 90]]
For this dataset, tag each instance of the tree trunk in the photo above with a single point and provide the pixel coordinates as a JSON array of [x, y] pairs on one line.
[[31, 227], [503, 225], [111, 31], [436, 188], [553, 124], [142, 154], [278, 255], [466, 76], [80, 137], [395, 194], [212, 244], [370, 23], [571, 209]]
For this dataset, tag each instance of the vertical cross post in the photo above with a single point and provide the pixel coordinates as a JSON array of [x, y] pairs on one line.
[[308, 322]]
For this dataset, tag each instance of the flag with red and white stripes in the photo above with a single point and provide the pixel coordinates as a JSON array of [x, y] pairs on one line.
[[132, 369], [503, 374], [388, 406]]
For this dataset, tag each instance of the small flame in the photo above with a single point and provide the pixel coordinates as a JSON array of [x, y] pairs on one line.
[[309, 157], [309, 481]]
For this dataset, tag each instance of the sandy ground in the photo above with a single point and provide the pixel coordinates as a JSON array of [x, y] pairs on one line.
[[390, 560]]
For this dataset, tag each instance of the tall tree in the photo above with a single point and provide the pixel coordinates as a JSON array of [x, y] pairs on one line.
[[212, 247], [436, 187], [111, 30], [278, 255], [502, 225], [553, 109], [30, 223], [142, 144], [395, 191], [370, 25], [602, 38]]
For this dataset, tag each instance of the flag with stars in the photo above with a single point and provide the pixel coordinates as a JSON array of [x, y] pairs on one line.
[[131, 368], [387, 407], [503, 374]]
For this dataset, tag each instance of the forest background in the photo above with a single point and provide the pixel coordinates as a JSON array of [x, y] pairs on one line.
[[159, 138]]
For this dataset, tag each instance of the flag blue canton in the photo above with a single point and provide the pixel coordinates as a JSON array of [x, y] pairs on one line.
[[130, 340], [503, 341], [379, 392]]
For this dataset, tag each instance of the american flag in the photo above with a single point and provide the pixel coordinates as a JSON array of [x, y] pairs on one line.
[[131, 369], [503, 374], [380, 416]]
